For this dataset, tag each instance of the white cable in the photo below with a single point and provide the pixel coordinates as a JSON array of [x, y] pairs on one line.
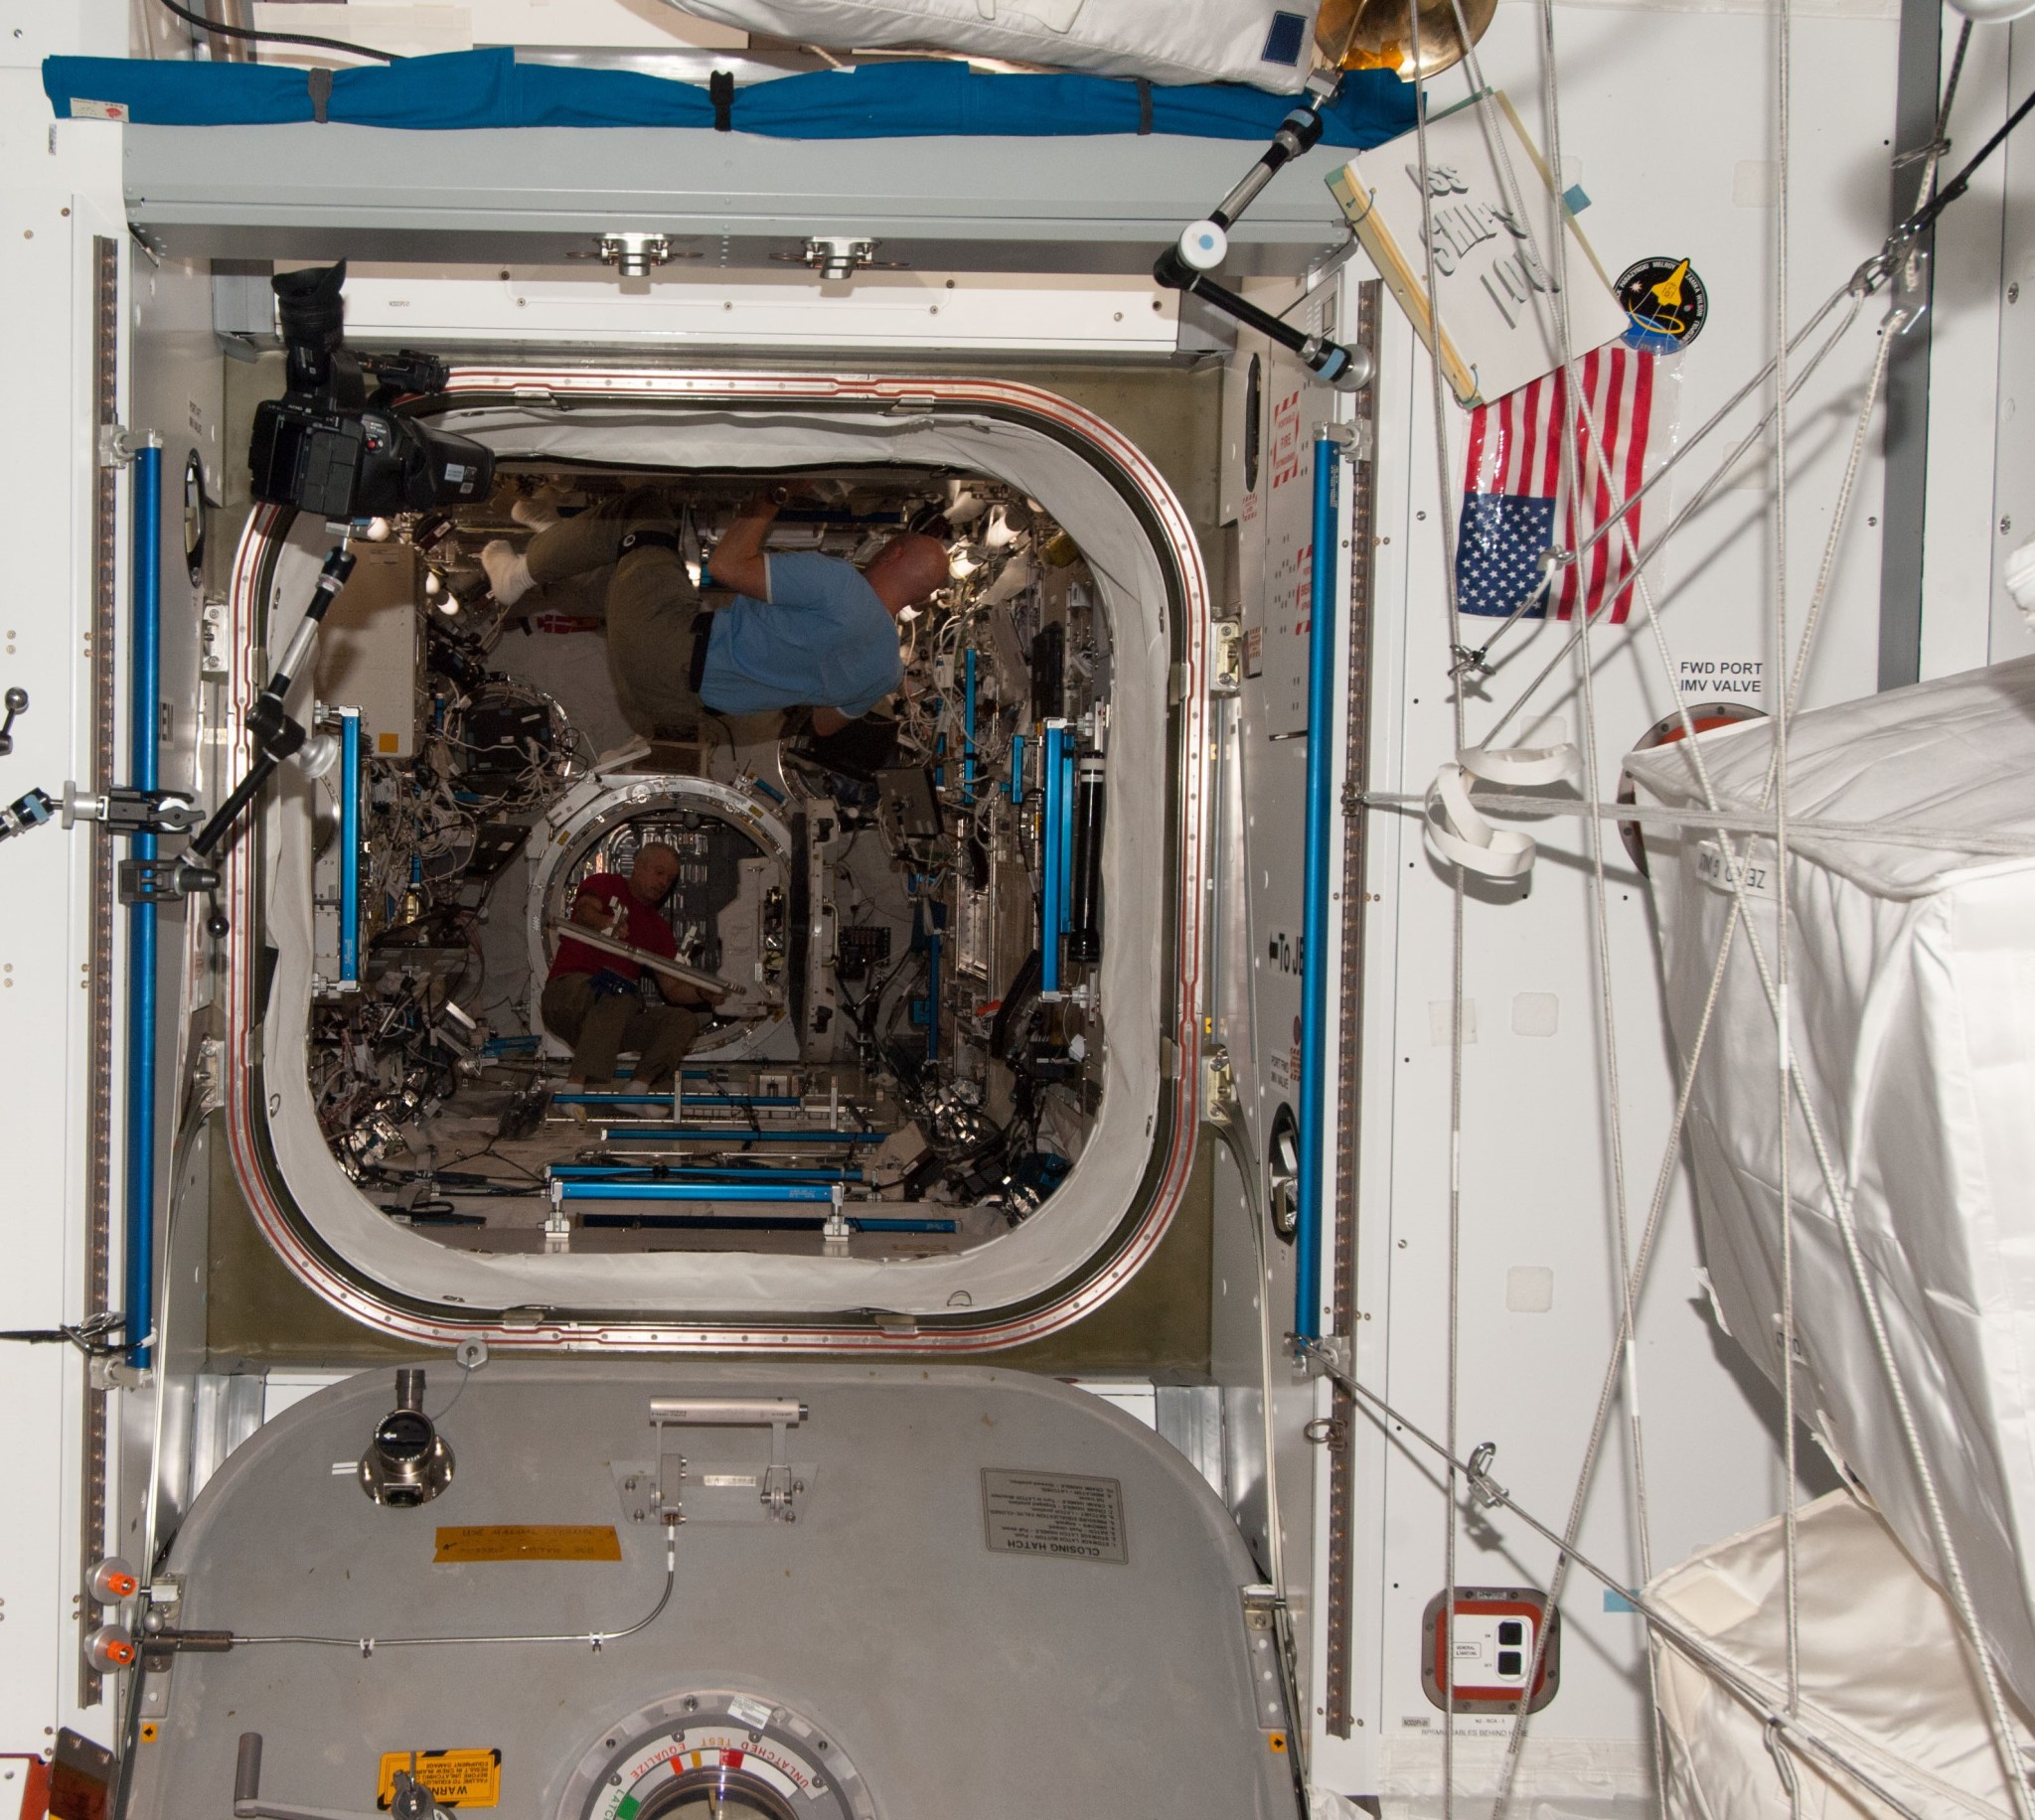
[[1791, 1547], [1444, 514]]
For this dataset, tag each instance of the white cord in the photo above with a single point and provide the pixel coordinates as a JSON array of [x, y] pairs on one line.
[[1791, 1549]]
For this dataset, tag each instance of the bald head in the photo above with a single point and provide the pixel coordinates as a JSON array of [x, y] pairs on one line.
[[654, 872], [907, 571]]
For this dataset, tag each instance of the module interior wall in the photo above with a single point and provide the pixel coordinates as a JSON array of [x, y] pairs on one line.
[[1536, 1191]]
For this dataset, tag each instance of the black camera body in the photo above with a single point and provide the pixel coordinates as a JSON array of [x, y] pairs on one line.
[[359, 464], [332, 447]]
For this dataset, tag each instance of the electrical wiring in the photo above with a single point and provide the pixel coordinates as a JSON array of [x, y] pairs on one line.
[[278, 37]]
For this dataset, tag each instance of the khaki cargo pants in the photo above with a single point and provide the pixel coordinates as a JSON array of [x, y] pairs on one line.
[[601, 1027], [651, 606]]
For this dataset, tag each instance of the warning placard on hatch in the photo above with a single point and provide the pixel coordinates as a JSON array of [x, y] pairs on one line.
[[1053, 1513], [459, 1778], [529, 1542]]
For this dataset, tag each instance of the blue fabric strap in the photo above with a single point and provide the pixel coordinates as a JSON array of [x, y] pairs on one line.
[[907, 100]]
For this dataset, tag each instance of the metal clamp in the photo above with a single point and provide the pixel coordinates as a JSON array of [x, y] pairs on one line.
[[1490, 1493], [1226, 674], [778, 1491], [118, 445], [131, 812], [164, 881]]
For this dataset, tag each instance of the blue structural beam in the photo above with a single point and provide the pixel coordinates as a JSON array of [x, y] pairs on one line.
[[1051, 887], [1312, 1185], [1016, 767], [734, 1135], [144, 691], [664, 1099], [1066, 835], [648, 1171], [752, 1221], [968, 725], [693, 1191], [349, 844]]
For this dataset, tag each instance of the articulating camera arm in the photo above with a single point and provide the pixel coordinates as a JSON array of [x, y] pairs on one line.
[[1203, 244], [276, 736]]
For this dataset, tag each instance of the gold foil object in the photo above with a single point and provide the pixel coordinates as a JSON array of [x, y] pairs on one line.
[[1378, 33]]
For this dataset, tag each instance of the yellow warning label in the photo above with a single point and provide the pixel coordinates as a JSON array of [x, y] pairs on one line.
[[386, 742], [530, 1542], [459, 1778]]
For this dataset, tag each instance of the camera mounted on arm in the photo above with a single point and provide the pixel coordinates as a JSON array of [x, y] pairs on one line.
[[336, 445], [333, 443]]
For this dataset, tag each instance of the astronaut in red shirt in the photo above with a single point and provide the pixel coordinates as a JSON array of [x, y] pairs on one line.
[[593, 999]]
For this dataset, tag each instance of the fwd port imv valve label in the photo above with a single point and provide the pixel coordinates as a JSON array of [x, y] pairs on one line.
[[1056, 1514]]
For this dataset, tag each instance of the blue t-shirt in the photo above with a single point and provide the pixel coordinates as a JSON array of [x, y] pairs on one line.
[[822, 640]]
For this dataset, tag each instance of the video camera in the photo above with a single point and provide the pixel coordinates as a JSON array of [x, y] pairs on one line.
[[331, 446]]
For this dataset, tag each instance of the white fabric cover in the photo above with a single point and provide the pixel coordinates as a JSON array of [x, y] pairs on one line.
[[1180, 40], [1086, 1210], [1885, 1679], [1913, 974]]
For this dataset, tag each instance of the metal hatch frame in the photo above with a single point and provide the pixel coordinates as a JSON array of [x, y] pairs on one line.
[[314, 1260]]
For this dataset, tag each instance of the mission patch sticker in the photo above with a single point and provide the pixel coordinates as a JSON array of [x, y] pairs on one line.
[[1666, 302], [1057, 1514], [455, 1778]]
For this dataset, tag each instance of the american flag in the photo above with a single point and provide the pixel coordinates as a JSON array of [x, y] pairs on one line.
[[1512, 491]]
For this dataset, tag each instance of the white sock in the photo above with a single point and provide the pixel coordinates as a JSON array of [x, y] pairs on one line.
[[2020, 579], [508, 577], [536, 512]]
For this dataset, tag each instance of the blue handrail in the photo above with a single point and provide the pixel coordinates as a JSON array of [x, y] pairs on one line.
[[349, 844], [693, 1191], [967, 727], [1310, 1184], [1051, 886], [144, 691], [735, 1135]]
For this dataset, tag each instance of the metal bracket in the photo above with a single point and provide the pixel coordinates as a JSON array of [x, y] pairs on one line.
[[778, 1490], [841, 256], [131, 812], [209, 1068], [1226, 675], [163, 881], [1275, 1684], [215, 660], [1218, 1079], [118, 445], [633, 254], [1334, 1356]]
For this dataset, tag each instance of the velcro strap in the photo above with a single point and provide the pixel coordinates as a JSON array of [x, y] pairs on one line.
[[319, 81], [721, 91], [1143, 108]]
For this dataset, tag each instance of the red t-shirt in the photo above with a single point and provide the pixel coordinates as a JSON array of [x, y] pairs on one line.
[[646, 928]]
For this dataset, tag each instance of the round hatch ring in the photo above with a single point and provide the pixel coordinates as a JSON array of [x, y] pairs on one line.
[[714, 1755]]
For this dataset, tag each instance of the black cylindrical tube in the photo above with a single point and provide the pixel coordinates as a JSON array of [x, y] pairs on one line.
[[1084, 925]]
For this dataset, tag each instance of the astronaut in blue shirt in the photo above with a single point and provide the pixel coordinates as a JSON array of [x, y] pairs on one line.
[[804, 630], [807, 630]]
